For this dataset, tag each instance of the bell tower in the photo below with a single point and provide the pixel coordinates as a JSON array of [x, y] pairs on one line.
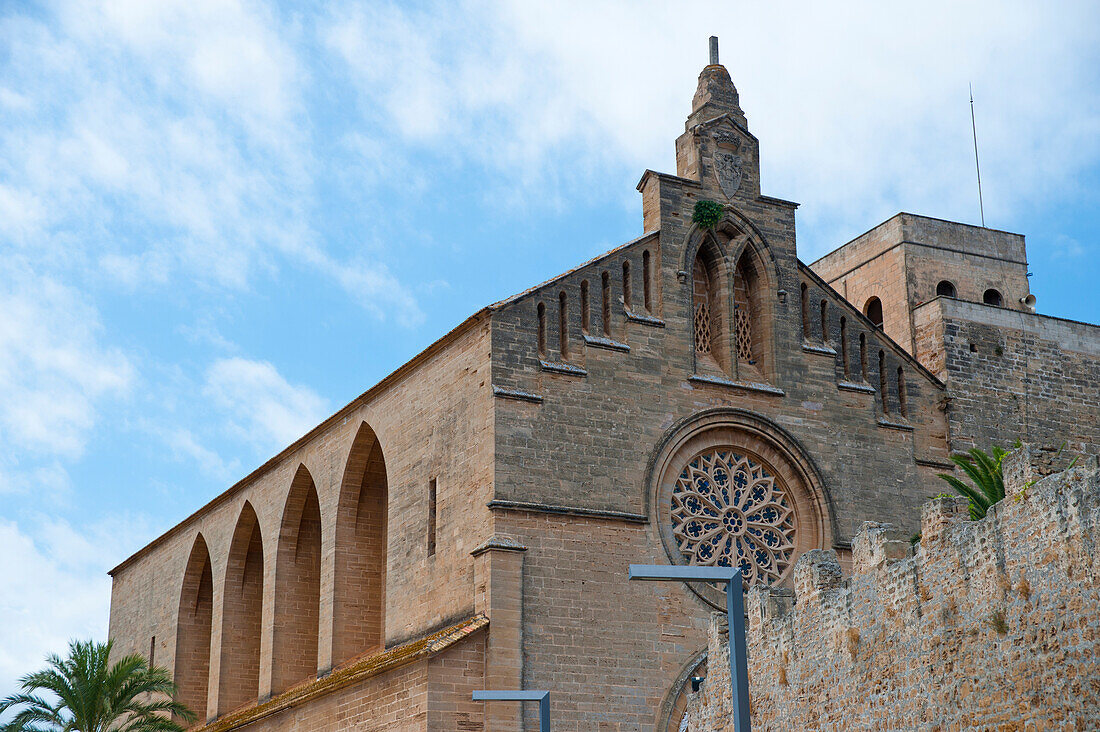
[[716, 148]]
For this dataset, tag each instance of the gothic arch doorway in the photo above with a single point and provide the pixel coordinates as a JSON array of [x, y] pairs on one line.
[[672, 715]]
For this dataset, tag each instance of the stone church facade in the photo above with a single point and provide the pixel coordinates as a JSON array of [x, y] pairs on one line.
[[697, 395]]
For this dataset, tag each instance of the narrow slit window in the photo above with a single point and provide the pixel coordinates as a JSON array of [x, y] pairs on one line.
[[431, 517], [883, 386], [824, 321], [563, 325], [152, 651], [844, 349], [542, 329], [647, 286], [586, 314], [606, 314], [903, 397], [626, 285], [863, 357], [805, 313]]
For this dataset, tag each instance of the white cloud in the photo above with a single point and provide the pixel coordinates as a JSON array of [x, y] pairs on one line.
[[53, 369], [56, 587], [861, 109], [184, 444], [166, 142], [261, 407]]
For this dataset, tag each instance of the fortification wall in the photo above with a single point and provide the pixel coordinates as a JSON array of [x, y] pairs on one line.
[[991, 624], [1013, 375]]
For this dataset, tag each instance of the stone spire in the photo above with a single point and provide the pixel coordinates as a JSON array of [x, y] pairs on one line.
[[716, 147], [716, 94]]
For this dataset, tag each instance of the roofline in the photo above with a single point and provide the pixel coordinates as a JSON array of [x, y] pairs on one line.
[[919, 216], [520, 295], [366, 667], [394, 376], [1001, 308], [898, 348]]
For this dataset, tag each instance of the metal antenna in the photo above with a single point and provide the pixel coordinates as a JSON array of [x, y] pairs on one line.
[[977, 167], [714, 50]]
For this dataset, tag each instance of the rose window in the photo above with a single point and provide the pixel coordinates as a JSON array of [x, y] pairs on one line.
[[728, 510]]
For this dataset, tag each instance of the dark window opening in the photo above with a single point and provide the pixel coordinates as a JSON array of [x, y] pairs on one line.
[[586, 313], [873, 311], [542, 329], [563, 325]]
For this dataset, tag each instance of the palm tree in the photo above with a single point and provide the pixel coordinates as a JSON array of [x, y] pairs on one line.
[[985, 474], [92, 696]]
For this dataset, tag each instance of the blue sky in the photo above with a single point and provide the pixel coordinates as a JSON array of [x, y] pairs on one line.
[[220, 220]]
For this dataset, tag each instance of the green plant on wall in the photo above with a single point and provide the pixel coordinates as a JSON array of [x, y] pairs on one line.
[[707, 214], [987, 485]]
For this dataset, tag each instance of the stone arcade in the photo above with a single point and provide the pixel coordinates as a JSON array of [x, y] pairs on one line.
[[693, 396]]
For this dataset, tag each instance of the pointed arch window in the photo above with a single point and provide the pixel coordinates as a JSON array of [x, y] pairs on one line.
[[708, 303], [748, 312]]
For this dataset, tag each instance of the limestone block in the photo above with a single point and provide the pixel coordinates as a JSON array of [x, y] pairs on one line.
[[816, 572], [876, 543], [939, 514]]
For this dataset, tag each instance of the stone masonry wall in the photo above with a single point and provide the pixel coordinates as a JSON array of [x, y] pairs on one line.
[[991, 624], [902, 260], [1013, 376], [433, 422]]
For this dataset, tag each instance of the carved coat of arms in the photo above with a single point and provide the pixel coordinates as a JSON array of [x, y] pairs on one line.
[[727, 169]]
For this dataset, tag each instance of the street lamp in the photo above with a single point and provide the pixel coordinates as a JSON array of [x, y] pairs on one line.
[[735, 612], [542, 697]]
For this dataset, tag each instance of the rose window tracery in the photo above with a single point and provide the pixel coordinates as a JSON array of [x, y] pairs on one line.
[[728, 510]]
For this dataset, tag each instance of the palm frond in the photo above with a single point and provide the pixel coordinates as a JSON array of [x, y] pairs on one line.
[[94, 695], [986, 476]]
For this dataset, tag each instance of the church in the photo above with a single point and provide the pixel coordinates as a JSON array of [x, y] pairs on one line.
[[698, 395]]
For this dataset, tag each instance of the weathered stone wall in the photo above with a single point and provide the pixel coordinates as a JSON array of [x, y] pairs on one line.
[[577, 431], [434, 420], [993, 624], [902, 260], [1013, 375]]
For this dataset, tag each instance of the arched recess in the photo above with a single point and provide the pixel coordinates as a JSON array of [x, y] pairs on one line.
[[873, 310], [359, 595], [709, 310], [193, 623], [738, 251], [673, 709], [297, 586], [242, 605], [763, 492]]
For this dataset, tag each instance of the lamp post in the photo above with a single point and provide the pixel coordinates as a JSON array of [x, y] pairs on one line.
[[542, 697], [735, 612]]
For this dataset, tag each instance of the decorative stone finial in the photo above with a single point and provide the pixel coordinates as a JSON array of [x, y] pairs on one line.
[[714, 50]]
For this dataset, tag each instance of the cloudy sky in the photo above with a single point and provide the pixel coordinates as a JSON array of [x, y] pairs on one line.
[[222, 219]]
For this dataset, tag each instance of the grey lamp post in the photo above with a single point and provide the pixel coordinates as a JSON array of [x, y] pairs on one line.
[[735, 612], [542, 697]]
